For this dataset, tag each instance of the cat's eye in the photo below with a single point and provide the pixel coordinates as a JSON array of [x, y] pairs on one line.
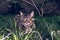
[[30, 21], [24, 21]]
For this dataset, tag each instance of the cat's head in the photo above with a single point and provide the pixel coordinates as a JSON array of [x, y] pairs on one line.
[[27, 20]]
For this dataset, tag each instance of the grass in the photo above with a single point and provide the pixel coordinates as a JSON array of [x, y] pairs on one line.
[[44, 25]]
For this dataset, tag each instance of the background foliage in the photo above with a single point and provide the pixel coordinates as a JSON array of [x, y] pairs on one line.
[[47, 18]]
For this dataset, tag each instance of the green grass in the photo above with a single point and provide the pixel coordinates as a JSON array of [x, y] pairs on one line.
[[43, 25]]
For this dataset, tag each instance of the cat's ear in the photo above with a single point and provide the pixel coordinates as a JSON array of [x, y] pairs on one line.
[[21, 13], [32, 14]]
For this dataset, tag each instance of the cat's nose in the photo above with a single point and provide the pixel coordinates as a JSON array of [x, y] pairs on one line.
[[27, 24]]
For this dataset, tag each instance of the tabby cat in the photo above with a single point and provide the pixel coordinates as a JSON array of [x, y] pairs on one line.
[[25, 22]]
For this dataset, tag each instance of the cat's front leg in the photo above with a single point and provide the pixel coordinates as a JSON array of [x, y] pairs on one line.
[[33, 26], [28, 30]]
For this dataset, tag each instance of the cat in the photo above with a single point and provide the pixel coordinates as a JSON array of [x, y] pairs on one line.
[[25, 22]]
